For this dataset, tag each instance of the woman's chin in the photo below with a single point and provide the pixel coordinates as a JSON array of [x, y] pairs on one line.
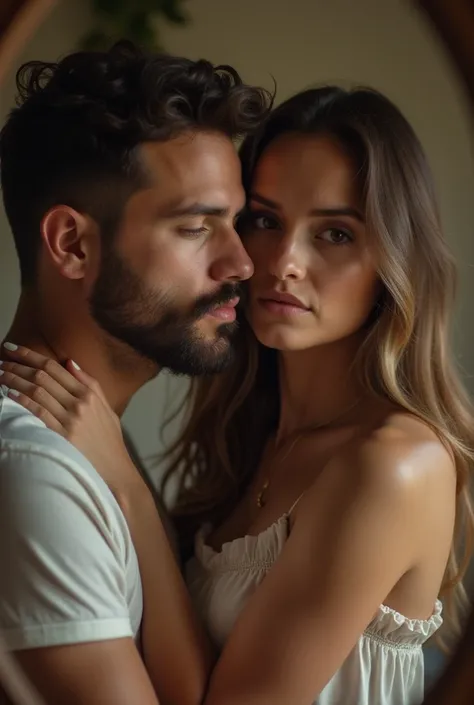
[[280, 340]]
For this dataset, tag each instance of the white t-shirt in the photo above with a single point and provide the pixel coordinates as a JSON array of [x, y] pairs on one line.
[[68, 569]]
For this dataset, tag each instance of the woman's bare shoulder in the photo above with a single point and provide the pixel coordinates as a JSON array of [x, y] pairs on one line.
[[400, 451], [400, 455]]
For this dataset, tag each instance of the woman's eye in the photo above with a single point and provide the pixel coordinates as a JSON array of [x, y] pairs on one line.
[[264, 222], [252, 220], [336, 236]]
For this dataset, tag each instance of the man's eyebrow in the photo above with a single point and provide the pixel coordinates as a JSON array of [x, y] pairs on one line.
[[196, 209], [324, 212]]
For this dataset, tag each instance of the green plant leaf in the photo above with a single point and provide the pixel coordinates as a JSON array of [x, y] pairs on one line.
[[172, 10], [95, 40], [109, 7], [151, 6], [137, 20], [139, 28]]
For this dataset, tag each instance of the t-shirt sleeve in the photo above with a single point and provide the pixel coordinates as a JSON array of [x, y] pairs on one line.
[[62, 558]]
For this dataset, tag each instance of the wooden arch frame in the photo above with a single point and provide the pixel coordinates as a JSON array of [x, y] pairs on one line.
[[19, 20]]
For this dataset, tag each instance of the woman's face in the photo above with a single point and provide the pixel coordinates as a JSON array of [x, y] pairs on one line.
[[315, 278]]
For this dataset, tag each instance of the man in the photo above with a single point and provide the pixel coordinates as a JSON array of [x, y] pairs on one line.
[[122, 186]]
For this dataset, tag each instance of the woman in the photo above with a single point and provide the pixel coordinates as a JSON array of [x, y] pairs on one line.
[[333, 458]]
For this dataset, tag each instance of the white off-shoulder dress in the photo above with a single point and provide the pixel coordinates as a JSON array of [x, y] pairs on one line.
[[384, 668]]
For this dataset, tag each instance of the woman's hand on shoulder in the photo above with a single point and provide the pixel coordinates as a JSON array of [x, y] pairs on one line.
[[72, 403]]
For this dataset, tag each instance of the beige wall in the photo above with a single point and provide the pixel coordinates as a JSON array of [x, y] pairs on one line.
[[383, 43]]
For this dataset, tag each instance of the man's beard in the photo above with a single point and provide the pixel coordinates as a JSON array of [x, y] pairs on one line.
[[155, 327]]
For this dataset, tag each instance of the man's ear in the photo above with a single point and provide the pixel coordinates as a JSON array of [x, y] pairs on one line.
[[70, 240]]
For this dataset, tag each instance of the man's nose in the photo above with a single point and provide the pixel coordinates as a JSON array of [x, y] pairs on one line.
[[232, 262]]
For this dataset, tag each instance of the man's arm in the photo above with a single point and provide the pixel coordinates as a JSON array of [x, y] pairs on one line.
[[99, 673], [63, 591]]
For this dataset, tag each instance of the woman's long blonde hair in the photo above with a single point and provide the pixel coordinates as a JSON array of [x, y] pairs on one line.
[[406, 355]]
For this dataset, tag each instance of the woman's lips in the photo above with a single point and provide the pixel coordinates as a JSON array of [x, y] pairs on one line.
[[283, 304]]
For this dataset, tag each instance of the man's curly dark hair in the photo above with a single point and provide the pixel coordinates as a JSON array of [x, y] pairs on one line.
[[73, 135]]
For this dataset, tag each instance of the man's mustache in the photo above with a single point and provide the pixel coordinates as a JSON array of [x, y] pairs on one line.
[[207, 303]]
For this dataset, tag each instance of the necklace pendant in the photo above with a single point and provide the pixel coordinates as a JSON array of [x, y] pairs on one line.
[[261, 495]]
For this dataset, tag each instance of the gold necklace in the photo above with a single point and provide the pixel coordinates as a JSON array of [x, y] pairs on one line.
[[261, 495]]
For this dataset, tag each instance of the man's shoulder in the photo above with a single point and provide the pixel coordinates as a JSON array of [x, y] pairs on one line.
[[21, 431], [35, 459], [69, 570]]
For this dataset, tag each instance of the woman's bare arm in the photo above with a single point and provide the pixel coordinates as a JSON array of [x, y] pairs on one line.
[[357, 533]]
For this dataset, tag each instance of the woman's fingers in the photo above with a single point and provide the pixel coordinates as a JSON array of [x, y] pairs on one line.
[[40, 410], [38, 394], [53, 369], [85, 379], [11, 371]]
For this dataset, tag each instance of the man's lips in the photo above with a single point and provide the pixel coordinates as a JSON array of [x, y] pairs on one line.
[[225, 311]]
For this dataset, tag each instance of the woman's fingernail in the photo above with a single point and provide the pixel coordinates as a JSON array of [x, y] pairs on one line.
[[10, 346], [1, 363], [2, 372], [14, 392], [75, 365]]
